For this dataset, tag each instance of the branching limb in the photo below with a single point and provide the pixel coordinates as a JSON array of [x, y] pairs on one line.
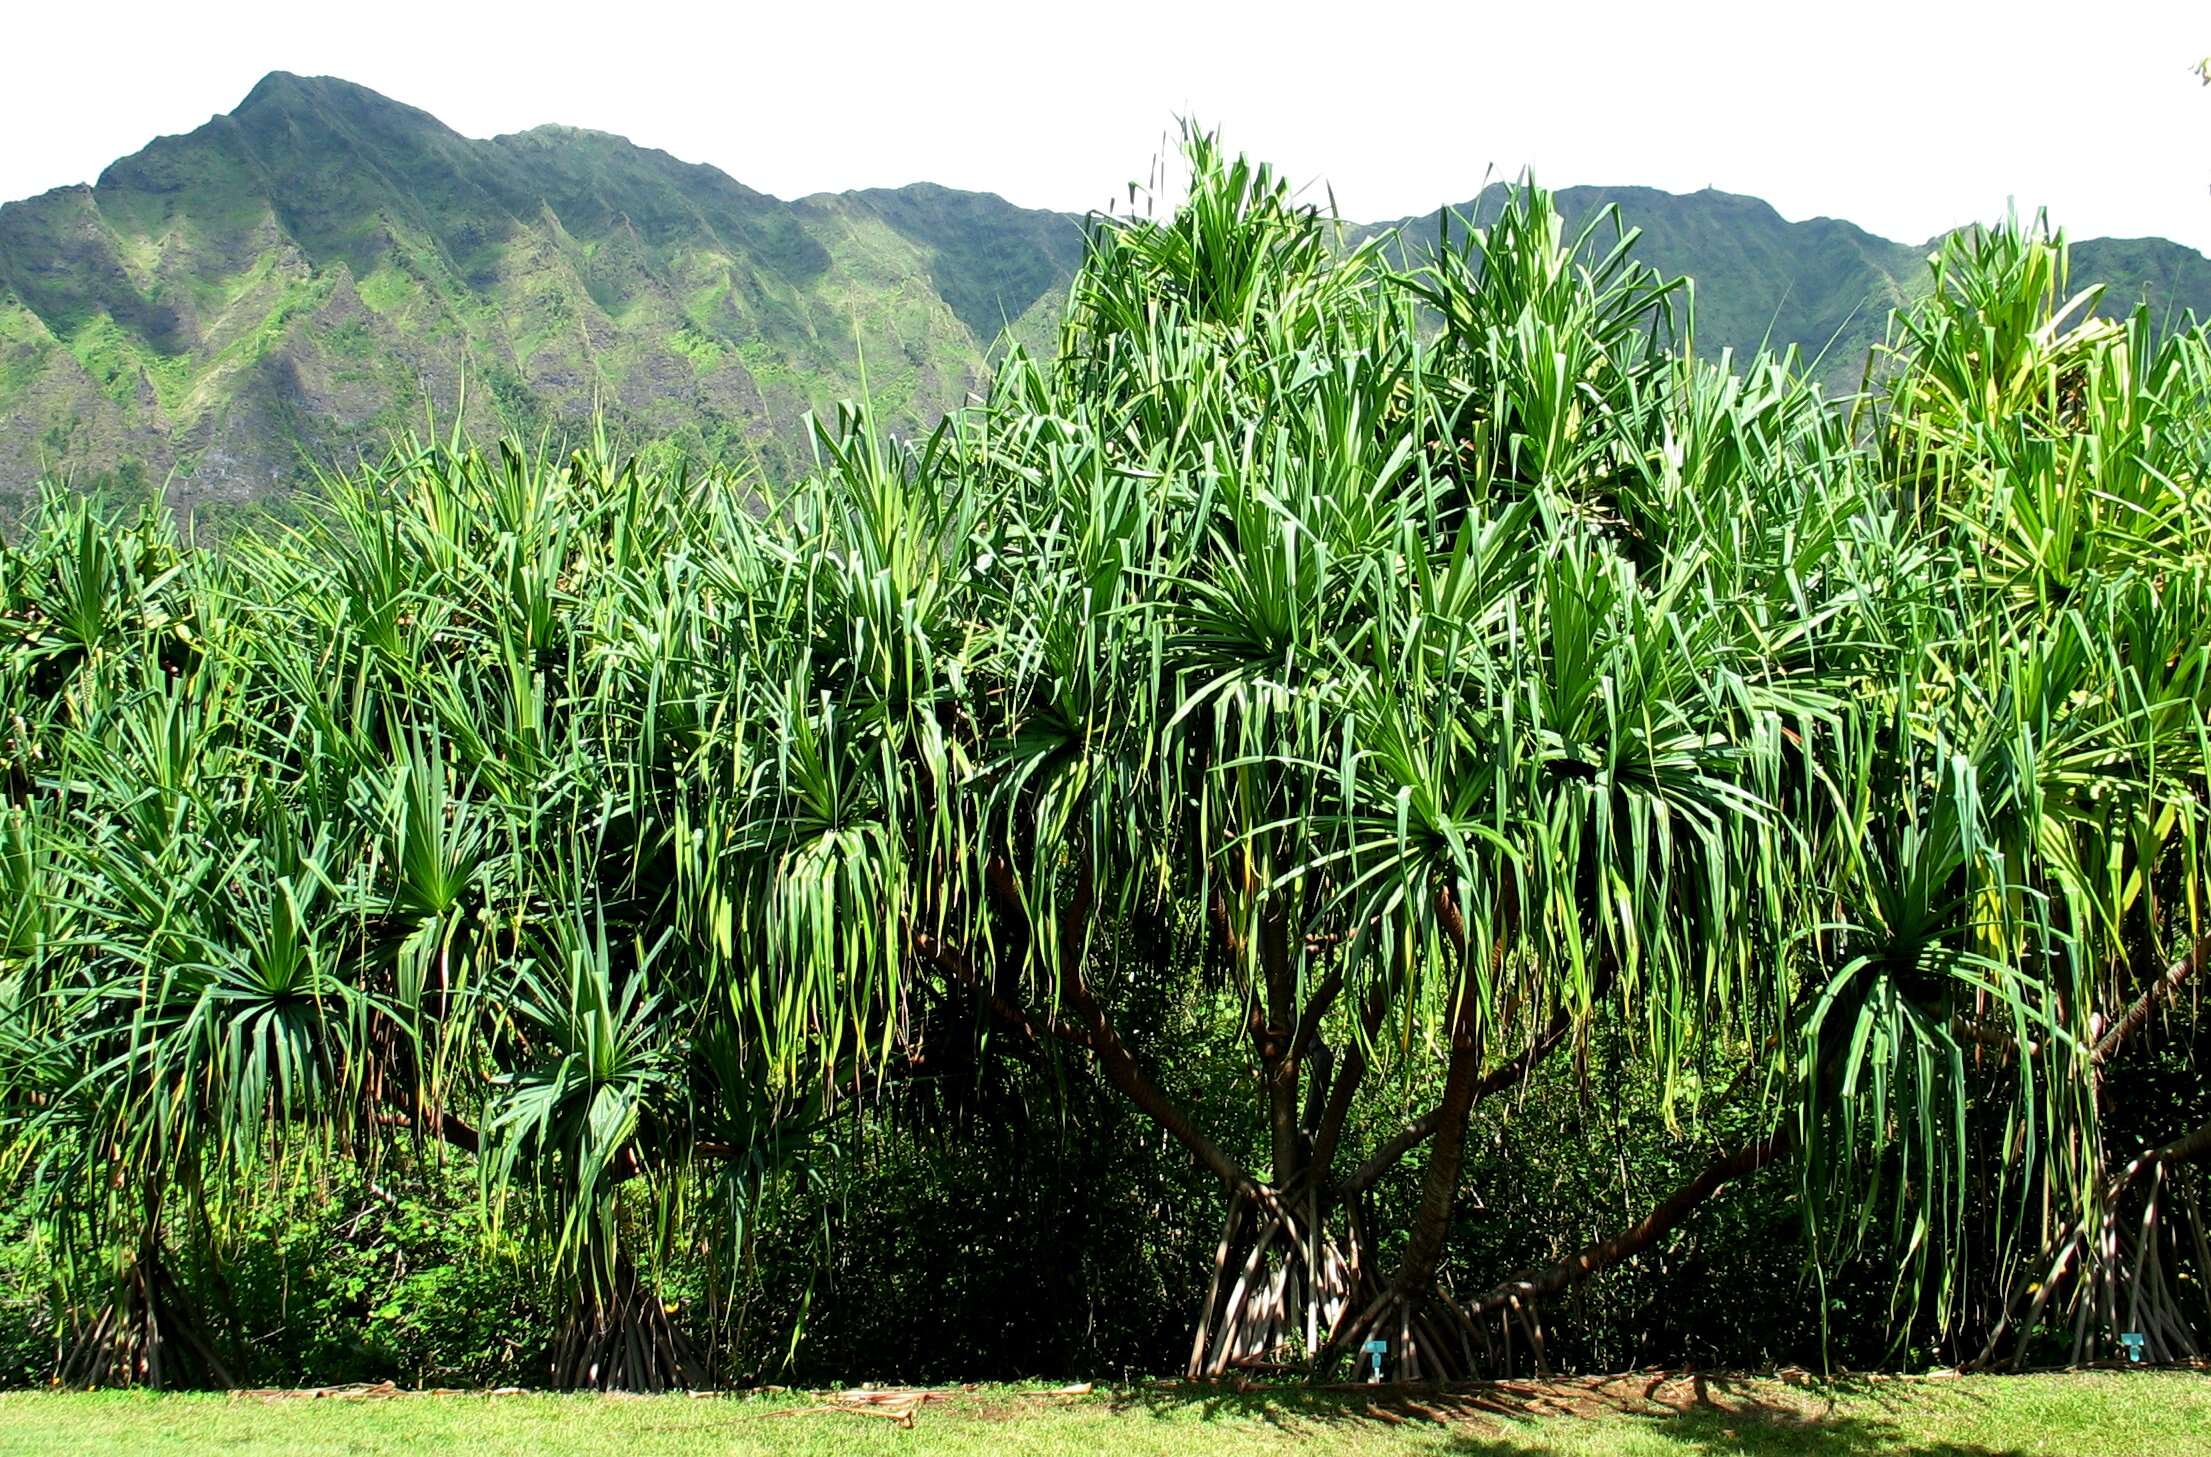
[[2154, 996], [1509, 1073], [1357, 1058], [1092, 1030], [1667, 1213], [1030, 1023]]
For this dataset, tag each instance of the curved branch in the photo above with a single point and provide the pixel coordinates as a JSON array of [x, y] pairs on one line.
[[441, 1125], [1329, 1134], [1096, 1034], [1119, 1066], [2188, 1147], [1317, 1007], [1506, 1074], [1997, 1040], [2155, 995], [1035, 1026], [1637, 1237]]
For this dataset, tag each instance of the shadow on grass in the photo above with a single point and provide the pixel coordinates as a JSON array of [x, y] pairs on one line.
[[1692, 1414]]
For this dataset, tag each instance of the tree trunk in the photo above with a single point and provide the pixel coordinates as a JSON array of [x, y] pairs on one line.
[[147, 1334], [618, 1337], [1440, 1188], [1426, 1333], [1275, 1033], [1285, 1273]]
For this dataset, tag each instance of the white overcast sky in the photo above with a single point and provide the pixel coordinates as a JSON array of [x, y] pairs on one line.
[[1906, 118]]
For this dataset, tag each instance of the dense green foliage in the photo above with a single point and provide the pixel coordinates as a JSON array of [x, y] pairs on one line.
[[1822, 286], [1327, 754], [293, 282]]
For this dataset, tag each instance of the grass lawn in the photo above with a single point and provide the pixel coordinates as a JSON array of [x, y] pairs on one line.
[[2156, 1414]]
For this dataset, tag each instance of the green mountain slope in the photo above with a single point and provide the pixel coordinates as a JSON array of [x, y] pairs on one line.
[[298, 279], [293, 282]]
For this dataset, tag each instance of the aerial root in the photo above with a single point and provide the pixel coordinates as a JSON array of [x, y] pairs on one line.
[[620, 1338], [147, 1335]]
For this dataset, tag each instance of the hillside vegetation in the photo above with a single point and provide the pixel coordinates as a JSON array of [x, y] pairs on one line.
[[300, 280], [291, 285], [1344, 815]]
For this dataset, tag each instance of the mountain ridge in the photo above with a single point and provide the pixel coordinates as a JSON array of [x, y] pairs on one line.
[[1836, 280], [294, 281]]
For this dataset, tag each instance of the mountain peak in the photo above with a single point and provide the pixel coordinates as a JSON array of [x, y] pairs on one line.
[[292, 97], [271, 87], [288, 89]]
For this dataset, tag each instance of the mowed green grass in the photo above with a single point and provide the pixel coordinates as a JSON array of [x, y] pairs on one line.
[[2157, 1414]]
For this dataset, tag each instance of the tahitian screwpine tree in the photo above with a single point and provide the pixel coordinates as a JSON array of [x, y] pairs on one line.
[[1408, 657], [366, 835]]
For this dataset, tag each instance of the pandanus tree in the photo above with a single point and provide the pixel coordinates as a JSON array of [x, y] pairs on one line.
[[166, 996], [355, 842], [539, 668], [1435, 697], [2057, 460], [1259, 639]]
